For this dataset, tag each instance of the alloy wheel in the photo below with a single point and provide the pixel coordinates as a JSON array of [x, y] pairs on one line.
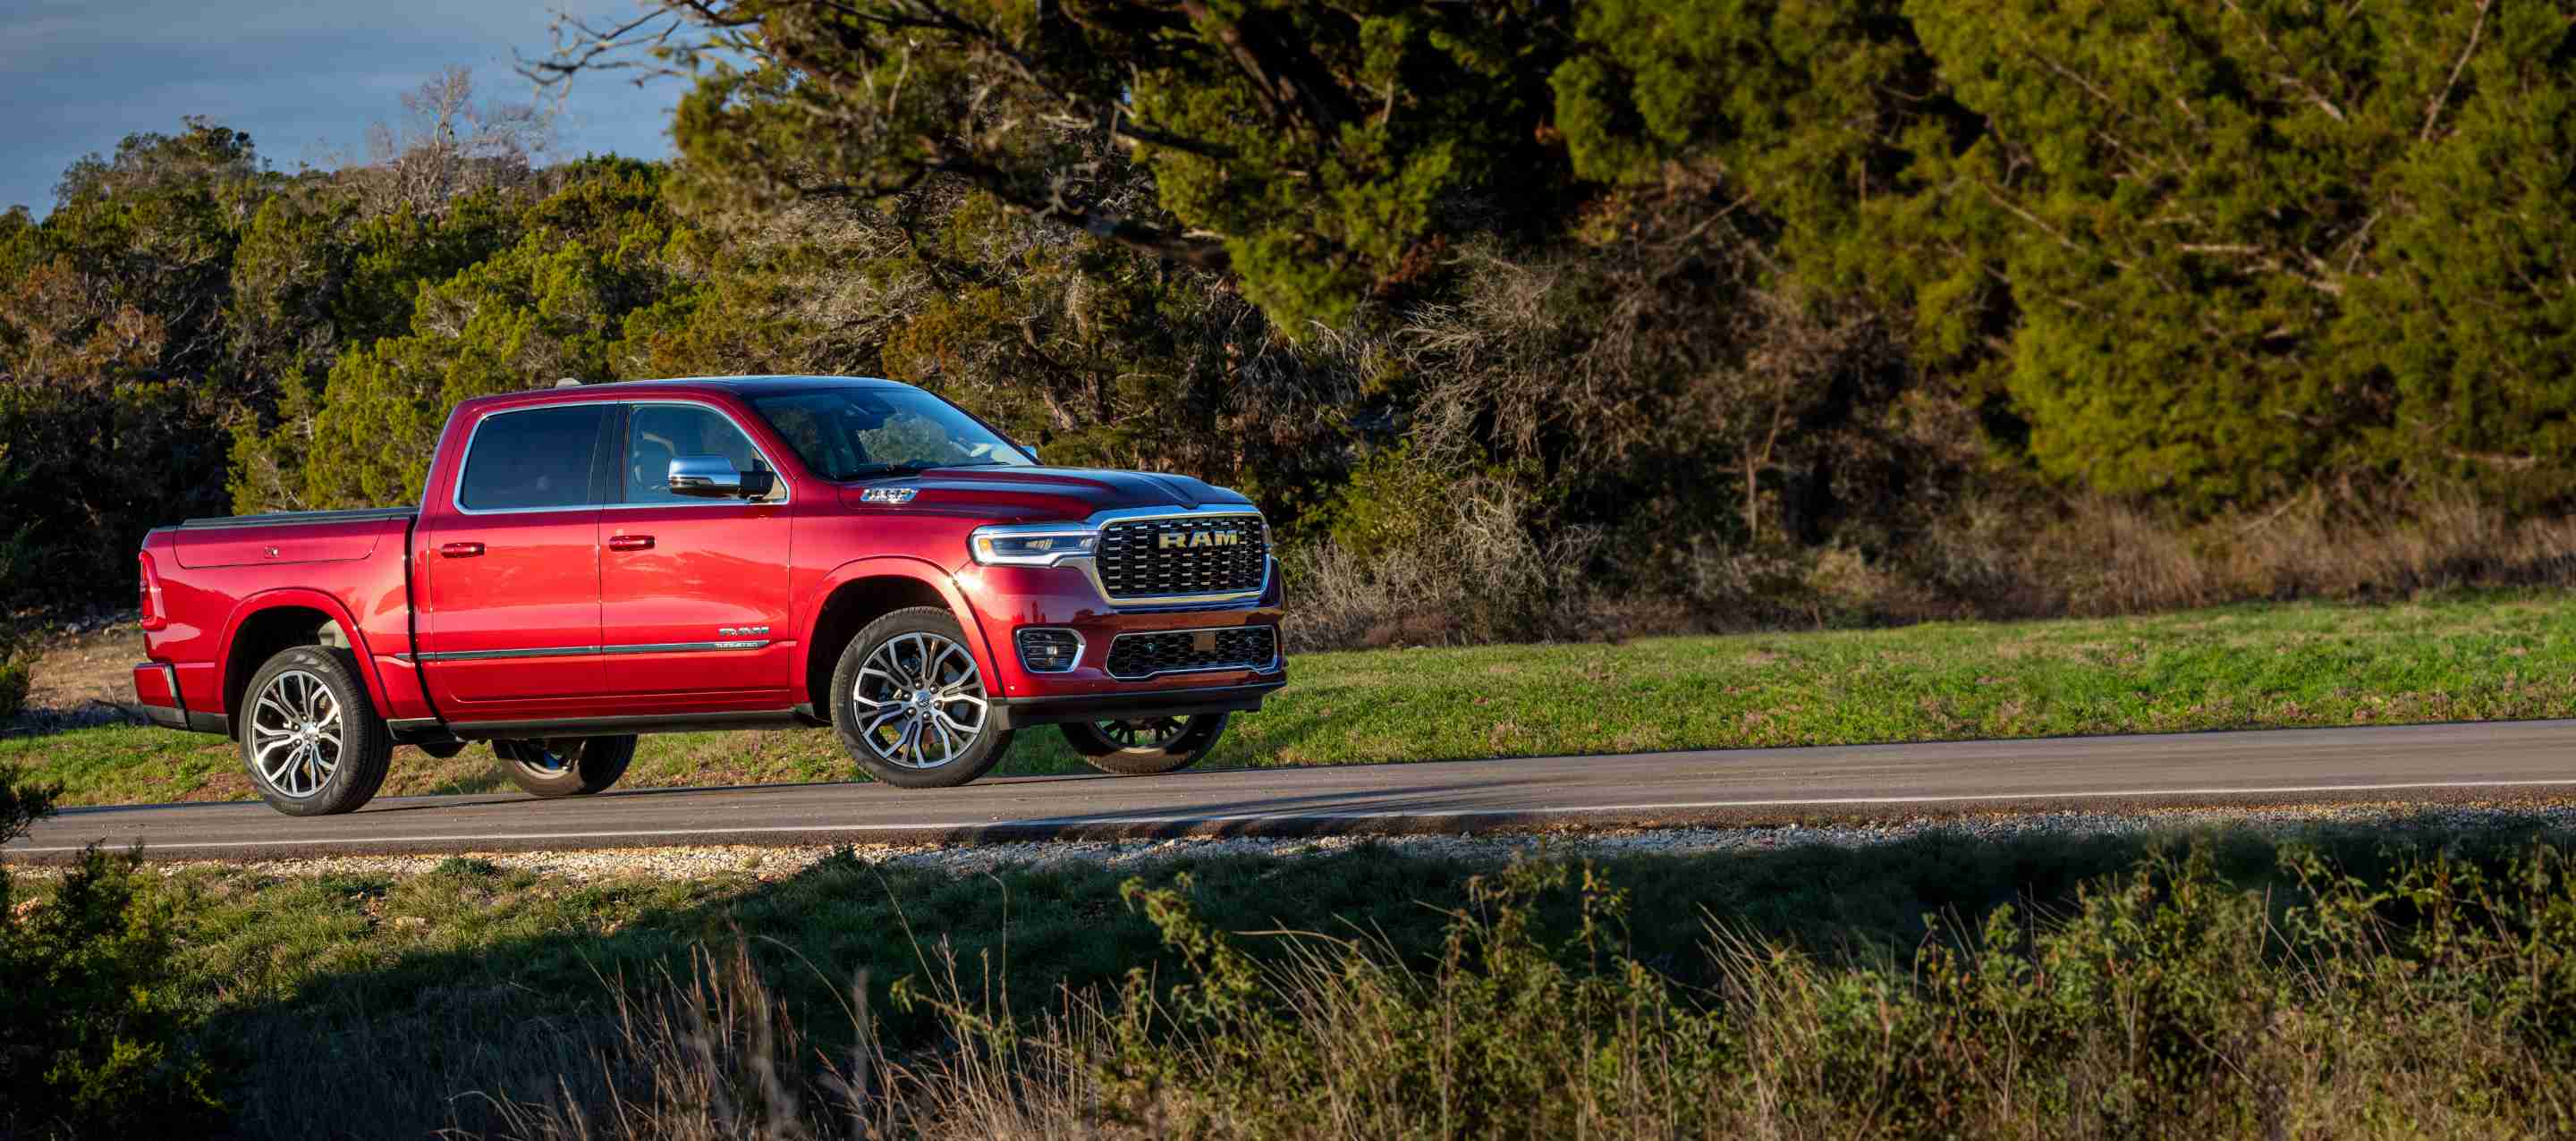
[[1144, 733], [921, 700], [296, 734]]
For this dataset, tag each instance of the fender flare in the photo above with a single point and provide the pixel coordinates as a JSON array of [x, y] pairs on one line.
[[920, 570], [311, 599]]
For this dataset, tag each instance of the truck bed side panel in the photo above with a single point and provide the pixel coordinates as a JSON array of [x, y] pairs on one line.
[[367, 595]]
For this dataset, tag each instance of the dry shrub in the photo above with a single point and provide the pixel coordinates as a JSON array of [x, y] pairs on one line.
[[1474, 571], [2099, 557], [715, 1056], [2167, 1002]]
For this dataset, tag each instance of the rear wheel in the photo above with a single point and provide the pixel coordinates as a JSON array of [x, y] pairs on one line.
[[1145, 746], [911, 705], [312, 743], [565, 766]]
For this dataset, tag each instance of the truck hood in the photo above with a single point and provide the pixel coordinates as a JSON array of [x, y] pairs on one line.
[[1031, 494]]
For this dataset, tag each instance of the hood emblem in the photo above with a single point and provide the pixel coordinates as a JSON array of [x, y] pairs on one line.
[[895, 495]]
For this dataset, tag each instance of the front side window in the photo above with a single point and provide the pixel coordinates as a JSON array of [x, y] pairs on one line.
[[853, 433], [533, 459], [656, 434]]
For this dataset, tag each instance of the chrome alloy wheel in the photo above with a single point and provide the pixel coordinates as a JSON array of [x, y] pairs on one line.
[[922, 701], [1144, 733], [295, 734], [546, 756]]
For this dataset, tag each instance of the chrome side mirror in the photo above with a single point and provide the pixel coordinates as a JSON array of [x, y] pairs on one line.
[[714, 477]]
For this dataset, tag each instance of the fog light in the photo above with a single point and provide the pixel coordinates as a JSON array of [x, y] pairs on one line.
[[1048, 651]]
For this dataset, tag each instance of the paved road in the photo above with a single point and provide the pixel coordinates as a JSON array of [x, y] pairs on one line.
[[2421, 763]]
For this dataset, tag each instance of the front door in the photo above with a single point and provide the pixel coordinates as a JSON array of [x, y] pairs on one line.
[[693, 591], [511, 625]]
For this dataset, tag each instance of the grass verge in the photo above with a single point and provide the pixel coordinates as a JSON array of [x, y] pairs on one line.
[[2414, 980], [2483, 656]]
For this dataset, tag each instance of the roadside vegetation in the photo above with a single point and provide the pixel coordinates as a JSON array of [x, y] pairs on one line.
[[2493, 655], [2410, 978]]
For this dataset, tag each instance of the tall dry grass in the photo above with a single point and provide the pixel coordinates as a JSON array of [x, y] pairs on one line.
[[1477, 573], [2165, 1003]]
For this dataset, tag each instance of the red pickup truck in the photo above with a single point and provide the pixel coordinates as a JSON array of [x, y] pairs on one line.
[[591, 562]]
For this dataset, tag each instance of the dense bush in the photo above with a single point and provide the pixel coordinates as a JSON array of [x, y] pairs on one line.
[[95, 1041]]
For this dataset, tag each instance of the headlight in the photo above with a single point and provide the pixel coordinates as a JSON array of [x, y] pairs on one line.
[[1032, 545]]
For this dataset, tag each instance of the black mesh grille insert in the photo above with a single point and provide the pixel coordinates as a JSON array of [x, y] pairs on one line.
[[1049, 651], [1140, 655], [1200, 554]]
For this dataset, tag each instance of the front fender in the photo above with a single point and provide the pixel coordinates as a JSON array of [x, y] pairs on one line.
[[893, 566]]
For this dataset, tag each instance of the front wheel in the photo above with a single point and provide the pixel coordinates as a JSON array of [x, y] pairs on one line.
[[1145, 746], [565, 766], [911, 706]]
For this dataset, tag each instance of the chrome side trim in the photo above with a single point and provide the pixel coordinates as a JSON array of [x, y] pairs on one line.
[[1272, 666], [589, 651], [488, 655], [686, 647]]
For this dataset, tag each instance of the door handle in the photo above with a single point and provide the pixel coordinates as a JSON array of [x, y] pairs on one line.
[[461, 550], [630, 542]]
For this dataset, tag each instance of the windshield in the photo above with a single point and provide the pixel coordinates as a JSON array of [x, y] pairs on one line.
[[853, 433]]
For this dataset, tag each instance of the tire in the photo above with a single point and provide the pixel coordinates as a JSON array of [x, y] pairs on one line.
[[1144, 748], [906, 733], [309, 738], [565, 766]]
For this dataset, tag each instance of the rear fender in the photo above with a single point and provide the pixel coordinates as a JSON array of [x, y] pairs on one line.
[[309, 599]]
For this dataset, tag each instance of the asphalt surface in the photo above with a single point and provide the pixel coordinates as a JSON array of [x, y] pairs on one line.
[[2484, 762]]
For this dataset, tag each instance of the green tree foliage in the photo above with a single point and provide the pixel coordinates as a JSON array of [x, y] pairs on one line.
[[2181, 201], [1665, 287], [1319, 153]]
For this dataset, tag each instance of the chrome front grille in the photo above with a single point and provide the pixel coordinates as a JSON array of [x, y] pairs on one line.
[[1181, 557], [1133, 656]]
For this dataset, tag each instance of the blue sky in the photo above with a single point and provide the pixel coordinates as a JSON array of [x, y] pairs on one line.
[[305, 78]]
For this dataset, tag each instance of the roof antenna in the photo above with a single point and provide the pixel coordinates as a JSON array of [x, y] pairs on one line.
[[569, 382]]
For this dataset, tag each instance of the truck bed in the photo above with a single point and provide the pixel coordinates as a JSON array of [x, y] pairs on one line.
[[299, 518]]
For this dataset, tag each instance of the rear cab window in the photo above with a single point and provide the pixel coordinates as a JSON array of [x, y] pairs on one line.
[[534, 459]]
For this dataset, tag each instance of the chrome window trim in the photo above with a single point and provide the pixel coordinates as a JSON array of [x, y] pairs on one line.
[[785, 492], [1272, 666], [1081, 645], [456, 491], [583, 651]]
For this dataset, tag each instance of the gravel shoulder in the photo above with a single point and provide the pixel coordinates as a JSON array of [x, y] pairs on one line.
[[771, 864]]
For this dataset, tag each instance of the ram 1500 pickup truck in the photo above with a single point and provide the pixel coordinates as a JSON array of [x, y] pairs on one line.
[[591, 562]]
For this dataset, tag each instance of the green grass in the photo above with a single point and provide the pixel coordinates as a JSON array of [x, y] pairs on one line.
[[2486, 656], [476, 978]]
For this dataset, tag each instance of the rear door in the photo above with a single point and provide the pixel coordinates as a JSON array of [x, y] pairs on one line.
[[693, 591], [512, 623]]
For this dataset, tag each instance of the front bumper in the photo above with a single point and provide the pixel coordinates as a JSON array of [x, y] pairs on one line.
[[1016, 712], [1006, 599]]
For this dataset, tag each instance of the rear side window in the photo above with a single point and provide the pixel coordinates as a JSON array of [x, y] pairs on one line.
[[538, 458]]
